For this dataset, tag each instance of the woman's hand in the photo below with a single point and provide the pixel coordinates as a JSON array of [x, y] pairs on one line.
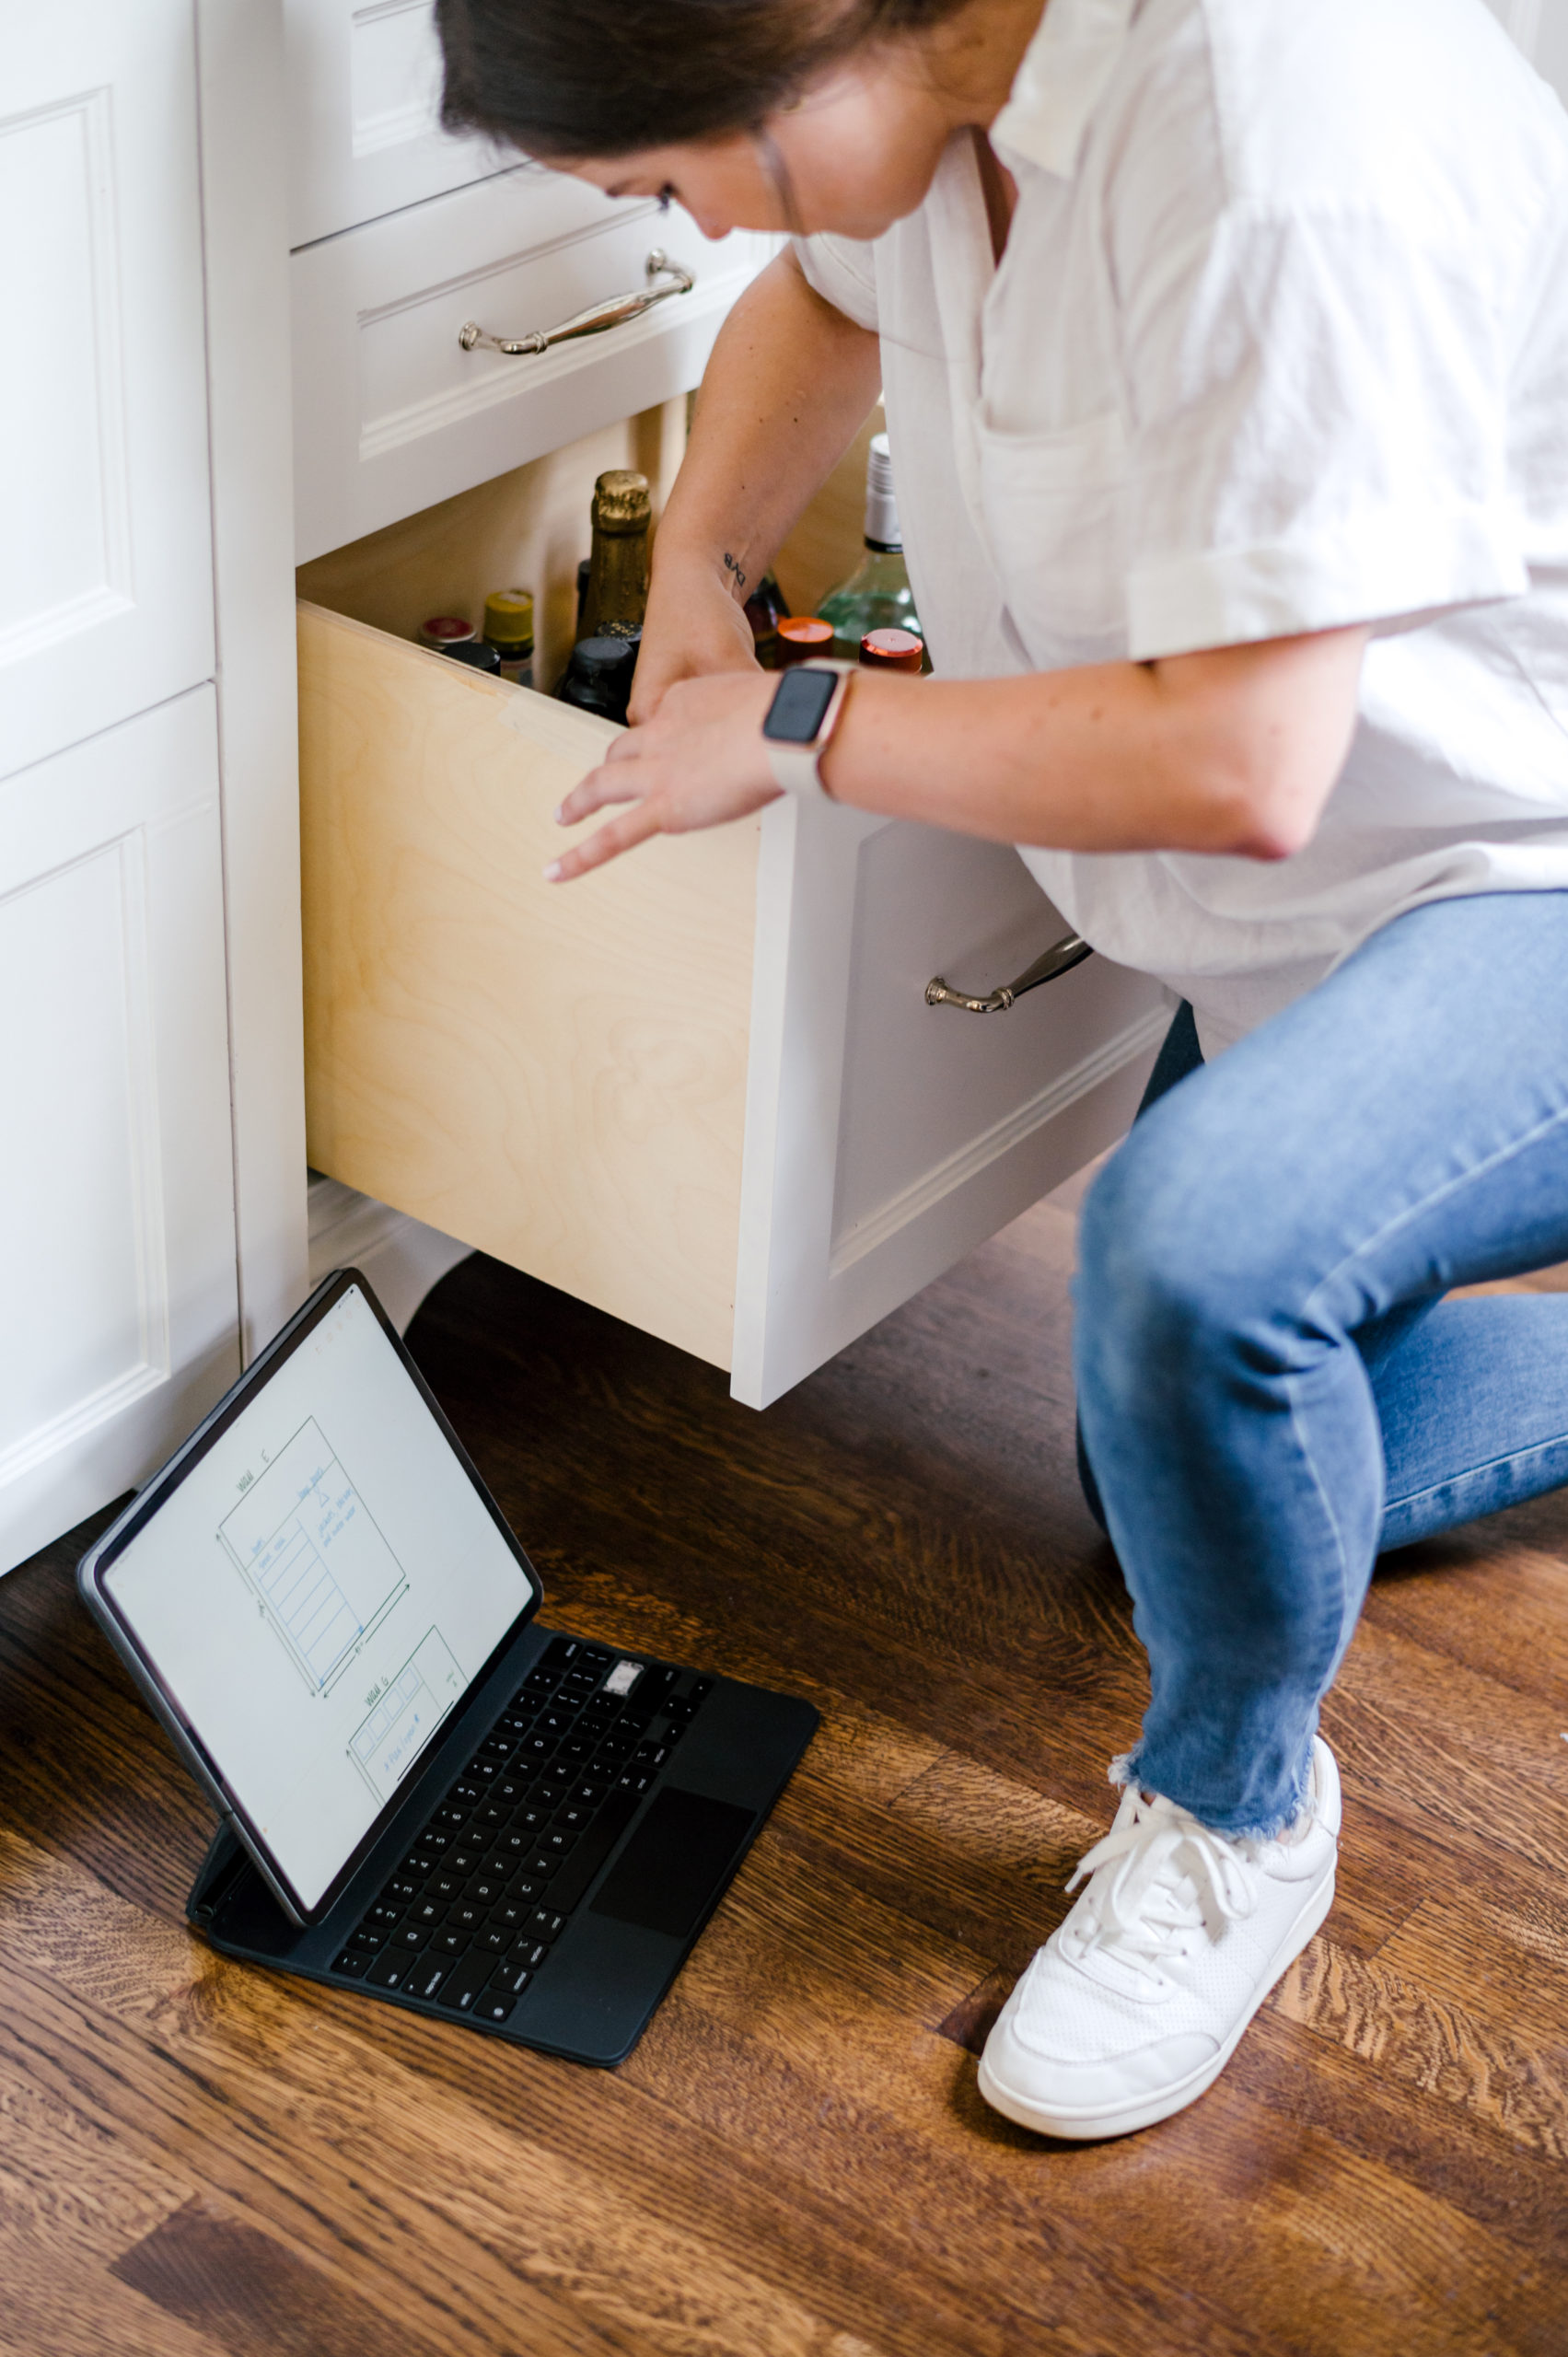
[[695, 627], [699, 764]]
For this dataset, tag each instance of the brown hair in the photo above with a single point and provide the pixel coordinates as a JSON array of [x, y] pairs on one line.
[[568, 78]]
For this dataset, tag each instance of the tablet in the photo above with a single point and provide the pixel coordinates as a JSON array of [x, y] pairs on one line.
[[308, 1588]]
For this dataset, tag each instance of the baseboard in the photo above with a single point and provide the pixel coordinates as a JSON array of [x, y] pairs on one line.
[[401, 1256]]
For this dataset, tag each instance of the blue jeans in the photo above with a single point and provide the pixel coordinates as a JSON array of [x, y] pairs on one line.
[[1271, 1386]]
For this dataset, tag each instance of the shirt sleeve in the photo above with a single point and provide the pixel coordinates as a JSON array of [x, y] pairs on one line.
[[1317, 403], [843, 272]]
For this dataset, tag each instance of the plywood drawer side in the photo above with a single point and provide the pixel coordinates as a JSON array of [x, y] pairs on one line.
[[553, 1074]]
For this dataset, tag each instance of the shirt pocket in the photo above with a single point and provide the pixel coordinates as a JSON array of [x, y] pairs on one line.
[[1055, 510]]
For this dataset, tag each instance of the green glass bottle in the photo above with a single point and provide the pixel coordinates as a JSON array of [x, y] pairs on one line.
[[878, 594]]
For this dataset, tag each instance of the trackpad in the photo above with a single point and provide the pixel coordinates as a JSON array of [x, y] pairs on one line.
[[677, 1858]]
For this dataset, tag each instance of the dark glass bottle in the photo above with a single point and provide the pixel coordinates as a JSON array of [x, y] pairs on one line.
[[599, 676], [475, 653], [876, 595], [765, 608], [618, 567]]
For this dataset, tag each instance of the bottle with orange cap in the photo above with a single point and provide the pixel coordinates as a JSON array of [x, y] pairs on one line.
[[876, 595]]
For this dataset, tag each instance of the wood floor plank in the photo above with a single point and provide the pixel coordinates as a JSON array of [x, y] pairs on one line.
[[797, 2162], [1434, 2044]]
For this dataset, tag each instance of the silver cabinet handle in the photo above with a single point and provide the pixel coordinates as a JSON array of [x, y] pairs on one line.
[[1059, 959], [665, 278]]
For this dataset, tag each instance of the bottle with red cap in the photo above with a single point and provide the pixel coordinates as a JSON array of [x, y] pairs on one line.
[[892, 650], [876, 595]]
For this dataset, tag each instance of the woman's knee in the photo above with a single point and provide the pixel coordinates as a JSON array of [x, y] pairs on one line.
[[1172, 1265]]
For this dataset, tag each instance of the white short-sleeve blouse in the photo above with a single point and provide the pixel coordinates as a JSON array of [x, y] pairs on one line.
[[1279, 342]]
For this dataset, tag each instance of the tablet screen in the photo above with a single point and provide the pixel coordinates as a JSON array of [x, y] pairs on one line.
[[319, 1591]]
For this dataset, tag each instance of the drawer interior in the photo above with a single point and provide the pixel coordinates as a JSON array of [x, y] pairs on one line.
[[556, 1074]]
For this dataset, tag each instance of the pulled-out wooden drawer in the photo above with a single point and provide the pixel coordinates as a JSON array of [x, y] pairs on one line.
[[392, 410], [700, 1088]]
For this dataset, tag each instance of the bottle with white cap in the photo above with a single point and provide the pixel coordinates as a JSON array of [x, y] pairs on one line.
[[878, 594]]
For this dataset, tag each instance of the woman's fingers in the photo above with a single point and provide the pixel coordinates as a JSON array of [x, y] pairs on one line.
[[600, 787], [605, 842]]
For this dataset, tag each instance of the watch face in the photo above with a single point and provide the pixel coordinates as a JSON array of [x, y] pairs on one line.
[[799, 706]]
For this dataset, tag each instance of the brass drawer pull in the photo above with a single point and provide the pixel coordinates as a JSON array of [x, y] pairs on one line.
[[1059, 959], [665, 278]]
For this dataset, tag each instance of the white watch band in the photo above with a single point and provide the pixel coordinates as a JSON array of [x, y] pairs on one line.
[[796, 767]]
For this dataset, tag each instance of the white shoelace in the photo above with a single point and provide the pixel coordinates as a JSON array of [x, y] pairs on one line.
[[1157, 1877]]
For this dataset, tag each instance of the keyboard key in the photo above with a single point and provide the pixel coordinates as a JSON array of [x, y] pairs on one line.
[[494, 1817], [467, 1916], [426, 1980], [590, 1792], [577, 1747], [453, 1815], [511, 1976], [559, 1653], [635, 1779], [494, 2005], [484, 1771], [465, 1981], [390, 1971], [409, 1938], [466, 1792], [462, 1862], [421, 1864], [574, 1817], [444, 1887], [384, 1918], [496, 1937], [528, 1952], [542, 1864], [400, 1892], [430, 1912], [353, 1963], [546, 1924], [592, 1850], [368, 1939], [451, 1941], [559, 1842], [507, 1791], [485, 1889]]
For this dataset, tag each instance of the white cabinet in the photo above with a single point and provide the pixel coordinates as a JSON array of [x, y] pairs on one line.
[[393, 413], [117, 1185], [364, 100], [152, 1185], [106, 594]]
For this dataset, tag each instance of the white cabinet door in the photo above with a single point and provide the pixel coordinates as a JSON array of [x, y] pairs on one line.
[[106, 588], [886, 1137], [364, 97], [116, 1186], [393, 414]]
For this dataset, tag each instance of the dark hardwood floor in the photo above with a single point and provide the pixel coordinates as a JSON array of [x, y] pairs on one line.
[[795, 2162]]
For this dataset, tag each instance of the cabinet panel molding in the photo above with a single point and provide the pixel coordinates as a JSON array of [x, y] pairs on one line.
[[116, 1195], [106, 587]]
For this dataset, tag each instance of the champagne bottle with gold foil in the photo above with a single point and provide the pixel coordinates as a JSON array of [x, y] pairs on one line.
[[618, 568]]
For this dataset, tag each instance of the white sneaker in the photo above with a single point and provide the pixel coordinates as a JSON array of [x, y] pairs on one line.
[[1137, 2002]]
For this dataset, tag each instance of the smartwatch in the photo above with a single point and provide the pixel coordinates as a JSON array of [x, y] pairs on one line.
[[801, 719]]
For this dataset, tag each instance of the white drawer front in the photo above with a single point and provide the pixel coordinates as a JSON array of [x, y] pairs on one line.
[[392, 414], [884, 1137], [365, 96]]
